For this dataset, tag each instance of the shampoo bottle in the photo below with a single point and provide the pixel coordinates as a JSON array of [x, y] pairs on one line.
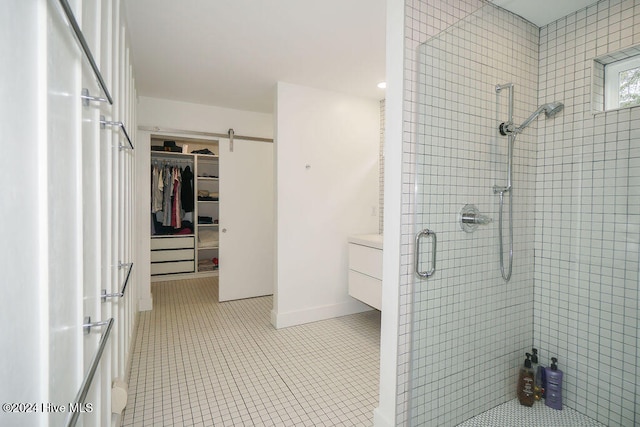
[[539, 380], [525, 383], [553, 392], [534, 359]]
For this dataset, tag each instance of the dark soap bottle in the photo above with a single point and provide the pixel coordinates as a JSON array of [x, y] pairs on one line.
[[525, 383]]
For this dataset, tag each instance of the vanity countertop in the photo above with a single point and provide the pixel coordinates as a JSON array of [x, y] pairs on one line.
[[370, 240]]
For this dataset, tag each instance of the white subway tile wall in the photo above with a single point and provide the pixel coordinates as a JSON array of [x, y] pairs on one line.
[[588, 219], [574, 289]]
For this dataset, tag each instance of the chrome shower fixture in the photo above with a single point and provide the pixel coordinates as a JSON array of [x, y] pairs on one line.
[[550, 110]]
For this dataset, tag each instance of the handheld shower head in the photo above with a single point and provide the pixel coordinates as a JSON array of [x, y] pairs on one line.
[[550, 110]]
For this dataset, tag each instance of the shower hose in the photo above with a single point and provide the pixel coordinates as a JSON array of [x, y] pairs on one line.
[[506, 275]]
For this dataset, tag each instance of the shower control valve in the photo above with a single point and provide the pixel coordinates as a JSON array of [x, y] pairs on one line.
[[470, 218], [507, 128]]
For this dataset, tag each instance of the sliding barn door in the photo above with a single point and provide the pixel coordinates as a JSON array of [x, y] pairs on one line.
[[246, 219]]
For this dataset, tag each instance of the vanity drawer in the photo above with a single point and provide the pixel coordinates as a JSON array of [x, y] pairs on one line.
[[366, 289], [366, 260]]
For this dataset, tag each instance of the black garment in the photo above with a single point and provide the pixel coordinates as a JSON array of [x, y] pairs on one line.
[[187, 190], [205, 220], [203, 151]]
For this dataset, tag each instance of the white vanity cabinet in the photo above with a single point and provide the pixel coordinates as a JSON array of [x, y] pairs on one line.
[[365, 269]]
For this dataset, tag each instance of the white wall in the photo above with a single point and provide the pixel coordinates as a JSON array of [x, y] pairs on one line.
[[23, 256], [326, 189], [587, 202], [385, 413], [185, 116], [205, 118], [59, 162]]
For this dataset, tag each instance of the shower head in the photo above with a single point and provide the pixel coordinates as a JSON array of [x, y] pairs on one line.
[[550, 110]]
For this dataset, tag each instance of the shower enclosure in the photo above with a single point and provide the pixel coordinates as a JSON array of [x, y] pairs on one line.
[[572, 200]]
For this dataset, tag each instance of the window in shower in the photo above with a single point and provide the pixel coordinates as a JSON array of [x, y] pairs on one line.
[[622, 83], [616, 80]]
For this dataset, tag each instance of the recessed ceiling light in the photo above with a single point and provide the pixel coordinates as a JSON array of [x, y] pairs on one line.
[[382, 85]]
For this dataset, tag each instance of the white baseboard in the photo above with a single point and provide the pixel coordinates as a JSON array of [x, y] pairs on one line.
[[145, 304], [314, 314], [379, 420], [183, 276]]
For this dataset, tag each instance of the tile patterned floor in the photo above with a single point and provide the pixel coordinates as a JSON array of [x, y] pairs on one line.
[[197, 362]]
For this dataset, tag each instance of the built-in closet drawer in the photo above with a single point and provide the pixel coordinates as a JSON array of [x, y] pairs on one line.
[[172, 255], [172, 267], [172, 243]]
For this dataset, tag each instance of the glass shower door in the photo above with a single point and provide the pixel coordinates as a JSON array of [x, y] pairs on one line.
[[467, 326]]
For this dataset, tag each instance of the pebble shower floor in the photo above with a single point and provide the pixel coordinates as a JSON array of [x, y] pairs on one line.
[[197, 362], [512, 414]]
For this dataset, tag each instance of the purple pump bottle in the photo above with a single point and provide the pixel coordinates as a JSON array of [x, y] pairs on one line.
[[553, 391]]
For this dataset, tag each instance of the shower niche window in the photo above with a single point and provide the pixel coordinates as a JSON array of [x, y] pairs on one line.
[[617, 80]]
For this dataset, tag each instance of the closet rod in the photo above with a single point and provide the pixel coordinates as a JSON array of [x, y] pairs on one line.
[[167, 161], [85, 47], [209, 134]]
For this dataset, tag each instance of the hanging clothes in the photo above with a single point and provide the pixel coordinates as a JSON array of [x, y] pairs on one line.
[[171, 191], [157, 188], [176, 202], [187, 190], [168, 193]]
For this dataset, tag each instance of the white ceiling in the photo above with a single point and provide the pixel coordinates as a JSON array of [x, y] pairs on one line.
[[542, 12], [231, 53]]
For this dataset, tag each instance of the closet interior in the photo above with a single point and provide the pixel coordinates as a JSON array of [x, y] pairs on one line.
[[185, 207]]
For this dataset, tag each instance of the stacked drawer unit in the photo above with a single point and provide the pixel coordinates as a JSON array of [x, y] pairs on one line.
[[172, 255]]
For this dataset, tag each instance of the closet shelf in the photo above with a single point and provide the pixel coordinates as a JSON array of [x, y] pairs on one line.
[[159, 155], [207, 157], [209, 247], [208, 225], [208, 178]]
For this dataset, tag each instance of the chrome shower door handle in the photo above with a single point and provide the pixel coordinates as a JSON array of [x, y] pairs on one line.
[[434, 240]]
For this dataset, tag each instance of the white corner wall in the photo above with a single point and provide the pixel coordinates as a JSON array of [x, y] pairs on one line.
[[385, 414], [168, 114], [326, 157]]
